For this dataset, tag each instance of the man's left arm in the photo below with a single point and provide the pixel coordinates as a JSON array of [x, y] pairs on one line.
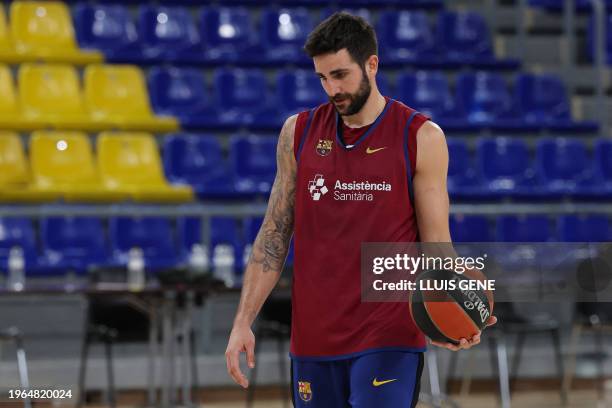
[[431, 200]]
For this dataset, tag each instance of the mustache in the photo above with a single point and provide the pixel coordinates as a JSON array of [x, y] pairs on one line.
[[339, 97]]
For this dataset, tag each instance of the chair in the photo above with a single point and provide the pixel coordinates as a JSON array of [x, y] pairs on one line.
[[244, 100], [223, 231], [73, 243], [42, 30], [407, 37], [284, 32], [603, 168], [110, 29], [253, 162], [13, 334], [169, 34], [584, 228], [505, 166], [299, 90], [10, 109], [197, 160], [63, 164], [117, 95], [229, 35], [544, 103], [18, 232], [51, 95], [7, 48], [462, 181], [182, 93], [129, 163], [470, 228], [563, 166]]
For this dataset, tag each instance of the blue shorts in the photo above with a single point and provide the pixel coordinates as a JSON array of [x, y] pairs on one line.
[[386, 379]]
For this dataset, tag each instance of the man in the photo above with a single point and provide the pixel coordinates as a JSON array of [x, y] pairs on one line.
[[361, 168]]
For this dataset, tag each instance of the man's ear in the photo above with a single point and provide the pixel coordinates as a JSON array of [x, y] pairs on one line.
[[372, 64]]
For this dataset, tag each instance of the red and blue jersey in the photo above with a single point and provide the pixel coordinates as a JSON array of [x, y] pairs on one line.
[[352, 186]]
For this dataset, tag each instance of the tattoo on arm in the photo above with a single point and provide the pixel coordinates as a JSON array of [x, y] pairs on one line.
[[272, 242]]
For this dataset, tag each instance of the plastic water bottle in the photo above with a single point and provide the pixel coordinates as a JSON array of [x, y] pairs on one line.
[[16, 267], [136, 269], [223, 264], [199, 261]]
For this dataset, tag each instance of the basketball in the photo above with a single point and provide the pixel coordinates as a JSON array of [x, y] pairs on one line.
[[447, 306]]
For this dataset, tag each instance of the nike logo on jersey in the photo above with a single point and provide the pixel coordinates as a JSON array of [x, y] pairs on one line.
[[377, 383], [369, 150]]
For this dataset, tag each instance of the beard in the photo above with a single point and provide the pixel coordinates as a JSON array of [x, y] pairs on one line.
[[356, 100]]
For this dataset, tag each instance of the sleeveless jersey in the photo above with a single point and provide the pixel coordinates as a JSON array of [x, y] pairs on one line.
[[346, 195]]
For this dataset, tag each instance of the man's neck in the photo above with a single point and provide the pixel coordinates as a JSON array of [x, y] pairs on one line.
[[368, 113]]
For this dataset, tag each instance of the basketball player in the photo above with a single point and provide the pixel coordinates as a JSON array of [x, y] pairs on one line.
[[361, 168]]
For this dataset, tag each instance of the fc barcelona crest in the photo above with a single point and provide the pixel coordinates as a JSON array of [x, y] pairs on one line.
[[304, 390], [324, 147]]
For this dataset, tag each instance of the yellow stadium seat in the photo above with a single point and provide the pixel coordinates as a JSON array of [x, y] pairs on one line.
[[118, 94], [42, 30], [10, 114], [129, 162], [15, 174], [50, 94], [62, 162], [7, 48]]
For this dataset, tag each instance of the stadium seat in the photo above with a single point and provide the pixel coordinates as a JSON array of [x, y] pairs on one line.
[[42, 30], [299, 90], [362, 12], [229, 35], [169, 34], [15, 173], [544, 103], [470, 228], [529, 228], [110, 29], [153, 235], [485, 98], [465, 39], [7, 48], [118, 95], [182, 93], [603, 167], [284, 32], [580, 6], [129, 164], [505, 167], [429, 92], [10, 111], [63, 164], [253, 161], [523, 255], [407, 37], [73, 244], [244, 100], [197, 160], [563, 167], [18, 232], [591, 36], [251, 228], [427, 4], [462, 180], [50, 95], [584, 228]]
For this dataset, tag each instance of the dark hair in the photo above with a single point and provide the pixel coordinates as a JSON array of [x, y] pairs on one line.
[[343, 30]]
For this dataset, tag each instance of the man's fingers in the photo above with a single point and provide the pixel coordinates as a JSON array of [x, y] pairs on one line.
[[233, 368], [250, 350], [492, 320]]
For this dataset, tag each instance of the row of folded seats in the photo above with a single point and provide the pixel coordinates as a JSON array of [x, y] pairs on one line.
[[479, 100], [54, 245], [127, 167], [117, 97]]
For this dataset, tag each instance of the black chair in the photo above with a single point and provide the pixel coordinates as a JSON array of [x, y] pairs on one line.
[[274, 323], [13, 334]]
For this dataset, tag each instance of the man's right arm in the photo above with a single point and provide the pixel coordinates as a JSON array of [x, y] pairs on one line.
[[268, 256]]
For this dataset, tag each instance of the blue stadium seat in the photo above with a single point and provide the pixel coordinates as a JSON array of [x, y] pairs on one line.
[[251, 228], [563, 167], [470, 228], [253, 161], [299, 90], [505, 166], [18, 232], [409, 4], [384, 86], [243, 99], [284, 32], [153, 235], [73, 244], [169, 34], [462, 180], [182, 93], [591, 36], [406, 37], [466, 40], [603, 167], [229, 35], [584, 228], [110, 29], [485, 98], [363, 12], [530, 228], [544, 103], [429, 92], [522, 231], [580, 6], [197, 160]]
